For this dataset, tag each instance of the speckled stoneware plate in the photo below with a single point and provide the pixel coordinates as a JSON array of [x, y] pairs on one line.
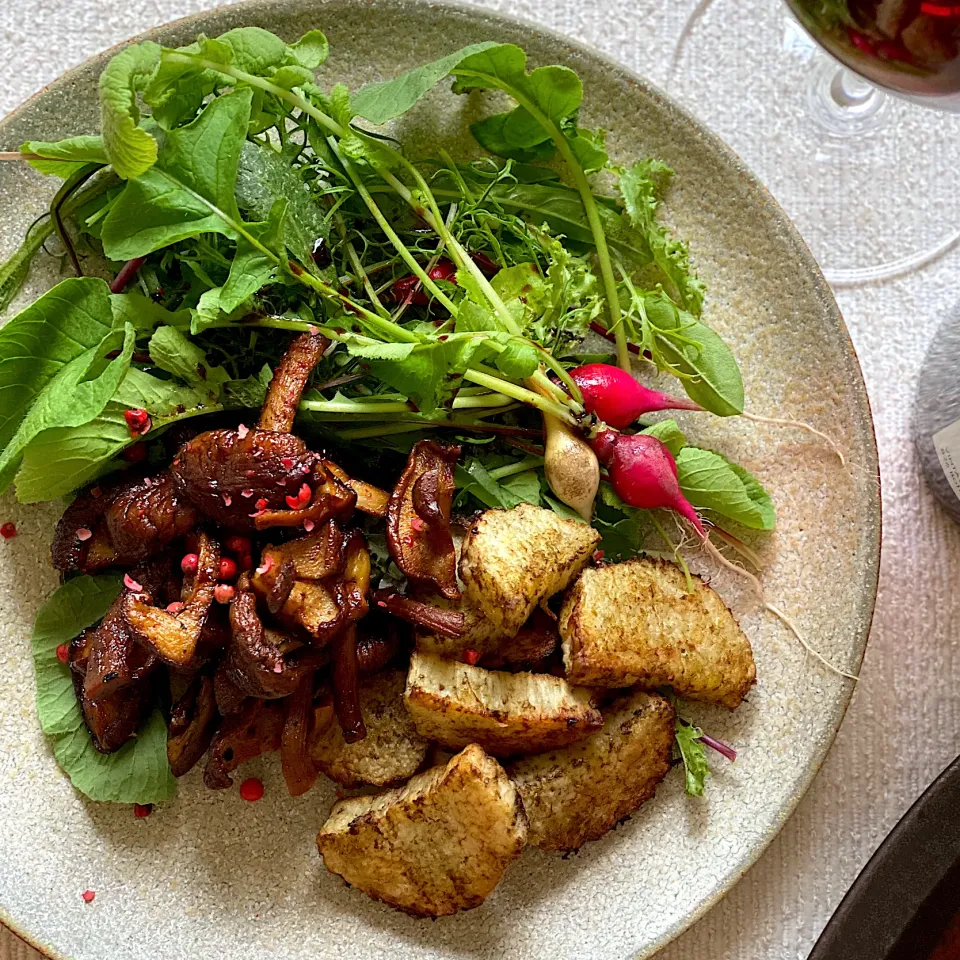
[[209, 876]]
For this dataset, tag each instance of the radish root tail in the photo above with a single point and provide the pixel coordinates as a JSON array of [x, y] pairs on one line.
[[776, 611], [800, 425]]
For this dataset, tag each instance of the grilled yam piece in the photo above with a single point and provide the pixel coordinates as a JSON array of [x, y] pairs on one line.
[[456, 704], [634, 623], [579, 793], [174, 637], [130, 520], [512, 560], [263, 663], [418, 518], [115, 717], [392, 750], [250, 732], [438, 845], [193, 722]]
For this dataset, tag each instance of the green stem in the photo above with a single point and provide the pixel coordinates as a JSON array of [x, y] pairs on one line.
[[358, 268], [384, 224], [468, 193], [463, 259], [521, 466], [587, 198], [487, 379], [379, 408]]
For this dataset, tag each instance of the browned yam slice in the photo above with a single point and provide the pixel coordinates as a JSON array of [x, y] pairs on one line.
[[174, 636], [579, 793], [193, 721], [506, 713], [511, 560], [438, 845], [634, 623], [254, 730], [392, 750], [475, 632], [418, 518], [370, 499]]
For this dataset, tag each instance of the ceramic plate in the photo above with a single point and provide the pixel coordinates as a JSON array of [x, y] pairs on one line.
[[211, 876]]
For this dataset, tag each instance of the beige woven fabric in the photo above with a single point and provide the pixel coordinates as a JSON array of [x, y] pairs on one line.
[[903, 726]]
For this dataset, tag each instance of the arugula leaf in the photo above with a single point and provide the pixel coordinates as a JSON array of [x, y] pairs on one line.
[[65, 157], [190, 190], [144, 314], [389, 99], [131, 150], [60, 460], [694, 756], [76, 395], [711, 482], [669, 434], [38, 343], [251, 268], [263, 177], [171, 351], [641, 187], [138, 772]]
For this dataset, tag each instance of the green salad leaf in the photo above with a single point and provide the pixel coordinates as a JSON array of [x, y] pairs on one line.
[[138, 772], [669, 434], [190, 189], [65, 157], [130, 149], [694, 757], [37, 344], [711, 482]]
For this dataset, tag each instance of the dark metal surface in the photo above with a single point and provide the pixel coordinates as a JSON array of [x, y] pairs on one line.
[[903, 899]]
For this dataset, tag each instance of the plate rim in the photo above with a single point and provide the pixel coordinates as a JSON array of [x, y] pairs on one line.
[[791, 236]]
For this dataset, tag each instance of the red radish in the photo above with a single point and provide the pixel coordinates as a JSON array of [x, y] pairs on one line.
[[410, 285], [618, 399], [644, 473]]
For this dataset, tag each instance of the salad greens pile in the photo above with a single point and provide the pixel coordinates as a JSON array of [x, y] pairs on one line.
[[234, 202]]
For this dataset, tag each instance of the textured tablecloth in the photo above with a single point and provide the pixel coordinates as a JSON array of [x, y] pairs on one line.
[[903, 726]]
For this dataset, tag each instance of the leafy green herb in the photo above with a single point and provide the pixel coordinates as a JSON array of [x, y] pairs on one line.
[[669, 434], [694, 756], [62, 325], [130, 149], [189, 190], [65, 157], [138, 772], [711, 482]]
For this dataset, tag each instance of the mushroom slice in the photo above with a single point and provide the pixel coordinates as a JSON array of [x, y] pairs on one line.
[[174, 636], [418, 518], [115, 660], [193, 721], [327, 498], [254, 730], [439, 620], [370, 499], [299, 769], [262, 663]]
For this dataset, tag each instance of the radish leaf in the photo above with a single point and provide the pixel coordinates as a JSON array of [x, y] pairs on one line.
[[711, 482], [65, 157]]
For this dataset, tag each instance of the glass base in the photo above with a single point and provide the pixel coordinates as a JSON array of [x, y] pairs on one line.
[[867, 178]]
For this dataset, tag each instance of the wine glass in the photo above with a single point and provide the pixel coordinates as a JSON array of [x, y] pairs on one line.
[[869, 179]]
